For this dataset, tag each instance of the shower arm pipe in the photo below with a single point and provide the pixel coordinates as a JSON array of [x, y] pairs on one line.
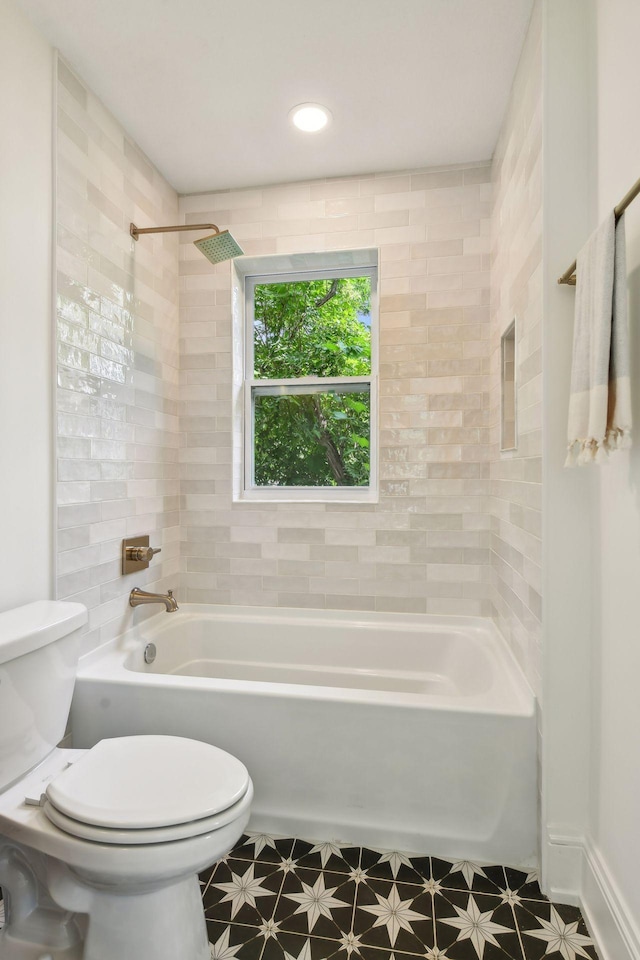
[[569, 276], [136, 231]]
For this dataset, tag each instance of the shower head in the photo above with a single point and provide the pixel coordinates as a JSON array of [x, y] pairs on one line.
[[219, 246], [216, 247]]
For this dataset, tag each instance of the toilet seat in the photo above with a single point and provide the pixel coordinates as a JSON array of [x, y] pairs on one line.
[[181, 831], [147, 789]]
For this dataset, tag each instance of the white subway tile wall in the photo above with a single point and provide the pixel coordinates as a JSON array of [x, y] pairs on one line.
[[144, 396], [426, 546], [516, 273], [117, 343]]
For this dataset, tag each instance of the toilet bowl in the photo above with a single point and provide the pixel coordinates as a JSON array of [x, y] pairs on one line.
[[100, 849]]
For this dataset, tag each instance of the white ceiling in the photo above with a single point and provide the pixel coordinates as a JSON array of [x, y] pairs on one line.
[[205, 86]]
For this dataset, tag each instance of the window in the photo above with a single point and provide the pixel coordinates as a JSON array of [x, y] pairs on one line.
[[310, 399]]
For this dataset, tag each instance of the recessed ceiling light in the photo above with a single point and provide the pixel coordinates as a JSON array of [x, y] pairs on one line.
[[310, 117]]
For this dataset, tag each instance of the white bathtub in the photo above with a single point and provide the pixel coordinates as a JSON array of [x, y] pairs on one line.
[[395, 731]]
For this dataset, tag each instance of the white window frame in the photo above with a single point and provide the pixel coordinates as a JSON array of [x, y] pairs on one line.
[[251, 386]]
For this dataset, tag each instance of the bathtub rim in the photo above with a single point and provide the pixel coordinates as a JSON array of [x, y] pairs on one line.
[[106, 663]]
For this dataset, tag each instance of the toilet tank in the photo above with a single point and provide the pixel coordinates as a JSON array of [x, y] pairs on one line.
[[39, 651]]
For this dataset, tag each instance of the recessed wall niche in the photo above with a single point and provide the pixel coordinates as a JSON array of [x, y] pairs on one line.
[[509, 431]]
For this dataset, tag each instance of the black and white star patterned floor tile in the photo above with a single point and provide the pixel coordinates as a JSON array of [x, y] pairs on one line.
[[278, 898]]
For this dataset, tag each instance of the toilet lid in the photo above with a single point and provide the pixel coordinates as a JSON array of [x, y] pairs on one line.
[[132, 783], [127, 837]]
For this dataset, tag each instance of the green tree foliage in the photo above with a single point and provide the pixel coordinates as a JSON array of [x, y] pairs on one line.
[[312, 328]]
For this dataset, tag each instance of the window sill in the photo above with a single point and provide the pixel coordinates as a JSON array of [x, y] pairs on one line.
[[305, 495]]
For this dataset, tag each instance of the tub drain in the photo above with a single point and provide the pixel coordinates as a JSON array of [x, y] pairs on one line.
[[150, 653]]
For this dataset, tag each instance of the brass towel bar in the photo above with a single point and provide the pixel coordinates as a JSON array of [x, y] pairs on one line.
[[569, 276]]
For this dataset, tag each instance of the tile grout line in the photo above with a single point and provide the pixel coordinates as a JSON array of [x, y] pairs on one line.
[[517, 928], [355, 897], [433, 906]]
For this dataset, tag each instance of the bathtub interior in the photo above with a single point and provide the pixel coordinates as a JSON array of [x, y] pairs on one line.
[[454, 660]]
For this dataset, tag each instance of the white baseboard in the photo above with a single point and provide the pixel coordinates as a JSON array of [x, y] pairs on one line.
[[616, 935], [575, 872], [562, 860]]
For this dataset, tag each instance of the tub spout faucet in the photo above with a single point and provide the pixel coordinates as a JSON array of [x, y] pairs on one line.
[[138, 597]]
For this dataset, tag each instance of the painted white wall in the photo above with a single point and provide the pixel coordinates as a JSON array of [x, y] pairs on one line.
[[591, 717], [614, 831], [26, 483], [567, 494]]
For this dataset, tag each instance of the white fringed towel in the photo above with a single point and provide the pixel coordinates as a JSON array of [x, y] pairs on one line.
[[600, 400]]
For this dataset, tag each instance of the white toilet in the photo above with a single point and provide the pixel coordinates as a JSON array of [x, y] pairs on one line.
[[100, 849]]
